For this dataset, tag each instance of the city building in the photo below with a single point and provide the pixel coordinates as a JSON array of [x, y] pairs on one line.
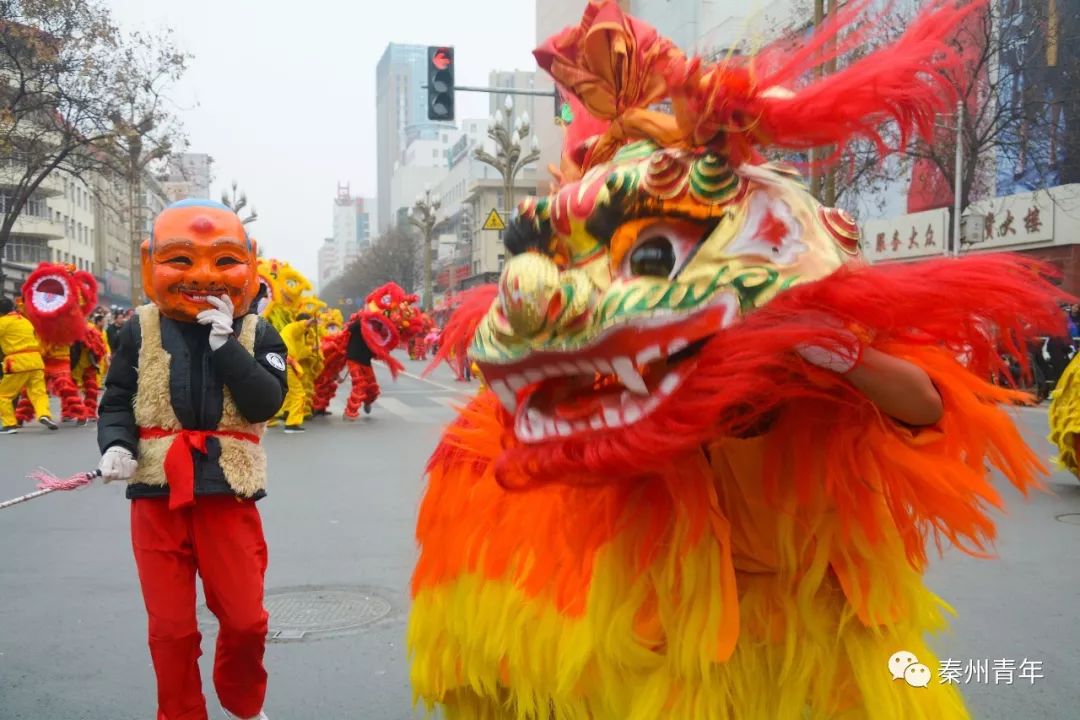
[[709, 28], [329, 264], [112, 242], [551, 17], [355, 223], [35, 227], [75, 210], [467, 254], [424, 163], [401, 118], [187, 176]]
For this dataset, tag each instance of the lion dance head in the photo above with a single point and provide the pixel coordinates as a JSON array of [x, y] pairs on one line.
[[57, 299], [668, 229]]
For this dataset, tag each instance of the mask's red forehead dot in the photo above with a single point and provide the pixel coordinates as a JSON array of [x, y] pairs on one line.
[[202, 224]]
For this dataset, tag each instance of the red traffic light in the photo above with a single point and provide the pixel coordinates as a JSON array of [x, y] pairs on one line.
[[441, 58]]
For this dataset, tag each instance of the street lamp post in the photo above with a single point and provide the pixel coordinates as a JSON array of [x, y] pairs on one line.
[[508, 135], [423, 217]]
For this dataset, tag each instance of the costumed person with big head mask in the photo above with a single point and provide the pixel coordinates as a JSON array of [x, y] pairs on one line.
[[192, 382], [716, 443]]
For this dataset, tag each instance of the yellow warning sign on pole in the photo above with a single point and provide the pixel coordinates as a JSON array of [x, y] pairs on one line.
[[494, 221]]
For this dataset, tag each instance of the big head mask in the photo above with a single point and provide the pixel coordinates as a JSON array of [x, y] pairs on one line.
[[198, 248]]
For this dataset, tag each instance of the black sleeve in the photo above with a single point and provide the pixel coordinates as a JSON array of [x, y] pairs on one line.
[[258, 382], [116, 416]]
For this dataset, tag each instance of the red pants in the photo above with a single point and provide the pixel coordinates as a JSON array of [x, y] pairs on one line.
[[221, 538], [90, 389], [365, 388]]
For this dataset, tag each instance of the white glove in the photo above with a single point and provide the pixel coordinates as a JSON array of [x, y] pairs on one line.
[[117, 464], [838, 359], [220, 320]]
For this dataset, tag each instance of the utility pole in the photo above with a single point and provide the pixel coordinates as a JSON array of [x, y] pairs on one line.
[[829, 191], [815, 153], [957, 186]]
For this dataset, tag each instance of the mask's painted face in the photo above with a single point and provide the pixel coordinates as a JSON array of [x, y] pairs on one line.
[[197, 251], [619, 279]]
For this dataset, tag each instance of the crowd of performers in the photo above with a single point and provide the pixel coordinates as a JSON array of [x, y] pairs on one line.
[[56, 341]]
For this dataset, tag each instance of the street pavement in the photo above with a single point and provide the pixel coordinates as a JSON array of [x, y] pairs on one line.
[[339, 522]]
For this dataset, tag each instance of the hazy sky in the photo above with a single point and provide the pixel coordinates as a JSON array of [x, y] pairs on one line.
[[282, 94]]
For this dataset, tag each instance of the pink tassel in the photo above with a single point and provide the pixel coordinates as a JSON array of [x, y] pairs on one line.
[[47, 481]]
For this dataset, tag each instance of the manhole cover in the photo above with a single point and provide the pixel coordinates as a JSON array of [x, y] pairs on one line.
[[310, 612], [1071, 518]]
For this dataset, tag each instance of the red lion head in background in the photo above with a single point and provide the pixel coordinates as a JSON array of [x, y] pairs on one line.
[[392, 300], [57, 299]]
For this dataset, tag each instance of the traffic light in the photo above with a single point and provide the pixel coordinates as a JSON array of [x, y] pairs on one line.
[[440, 83]]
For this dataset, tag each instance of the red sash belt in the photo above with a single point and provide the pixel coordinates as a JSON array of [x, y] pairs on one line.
[[179, 467]]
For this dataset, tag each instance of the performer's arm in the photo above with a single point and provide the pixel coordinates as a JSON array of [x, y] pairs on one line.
[[899, 388], [257, 386], [116, 421]]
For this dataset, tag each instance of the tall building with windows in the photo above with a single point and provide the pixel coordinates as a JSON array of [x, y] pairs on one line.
[[355, 223], [401, 116], [329, 265]]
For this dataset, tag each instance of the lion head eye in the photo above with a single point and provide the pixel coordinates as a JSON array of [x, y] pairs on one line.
[[654, 257]]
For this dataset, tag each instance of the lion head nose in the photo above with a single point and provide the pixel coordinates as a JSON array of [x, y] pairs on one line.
[[527, 290]]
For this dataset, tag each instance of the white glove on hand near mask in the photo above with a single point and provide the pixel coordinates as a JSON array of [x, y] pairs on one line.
[[220, 320], [839, 359], [117, 464]]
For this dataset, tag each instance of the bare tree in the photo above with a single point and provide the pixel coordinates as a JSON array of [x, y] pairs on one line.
[[236, 203], [1020, 93], [390, 257], [78, 97]]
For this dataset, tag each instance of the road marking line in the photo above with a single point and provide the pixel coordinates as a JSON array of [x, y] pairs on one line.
[[404, 411], [452, 403], [431, 382]]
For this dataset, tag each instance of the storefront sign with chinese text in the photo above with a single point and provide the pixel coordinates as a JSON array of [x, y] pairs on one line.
[[922, 234]]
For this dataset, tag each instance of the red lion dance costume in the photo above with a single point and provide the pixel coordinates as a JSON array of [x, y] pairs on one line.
[[691, 492], [58, 299], [369, 334]]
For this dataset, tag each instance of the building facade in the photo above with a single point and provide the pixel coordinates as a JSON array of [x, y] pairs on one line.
[[467, 254], [328, 263], [401, 117], [35, 228]]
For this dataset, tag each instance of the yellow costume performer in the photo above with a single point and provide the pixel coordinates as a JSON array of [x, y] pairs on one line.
[[295, 335], [716, 444], [24, 368], [1064, 417]]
